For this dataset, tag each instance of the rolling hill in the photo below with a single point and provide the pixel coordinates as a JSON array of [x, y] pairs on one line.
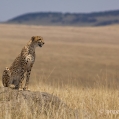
[[68, 19]]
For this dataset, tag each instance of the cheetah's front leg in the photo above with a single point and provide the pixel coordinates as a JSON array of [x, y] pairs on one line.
[[20, 85], [27, 78]]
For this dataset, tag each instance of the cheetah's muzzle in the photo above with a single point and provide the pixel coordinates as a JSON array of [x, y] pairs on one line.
[[41, 44]]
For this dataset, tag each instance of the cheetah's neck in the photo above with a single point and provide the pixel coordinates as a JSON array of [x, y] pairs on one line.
[[31, 47]]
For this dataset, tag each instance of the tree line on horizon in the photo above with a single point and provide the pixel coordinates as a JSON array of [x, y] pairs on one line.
[[68, 19]]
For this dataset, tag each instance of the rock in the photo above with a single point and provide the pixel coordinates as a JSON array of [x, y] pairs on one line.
[[33, 104]]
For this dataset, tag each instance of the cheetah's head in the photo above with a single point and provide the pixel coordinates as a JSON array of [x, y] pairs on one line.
[[37, 41]]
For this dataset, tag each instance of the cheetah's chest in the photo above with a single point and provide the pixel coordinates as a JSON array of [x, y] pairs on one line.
[[30, 60]]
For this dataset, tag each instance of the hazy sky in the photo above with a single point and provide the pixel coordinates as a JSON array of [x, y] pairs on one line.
[[13, 8]]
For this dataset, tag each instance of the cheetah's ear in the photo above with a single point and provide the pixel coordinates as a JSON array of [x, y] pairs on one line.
[[32, 38]]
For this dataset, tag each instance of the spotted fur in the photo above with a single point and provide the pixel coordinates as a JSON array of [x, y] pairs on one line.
[[14, 75]]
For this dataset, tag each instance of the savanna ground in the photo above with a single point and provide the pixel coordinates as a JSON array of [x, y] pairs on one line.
[[80, 65]]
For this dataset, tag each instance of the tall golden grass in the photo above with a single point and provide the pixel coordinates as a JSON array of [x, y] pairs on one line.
[[78, 64]]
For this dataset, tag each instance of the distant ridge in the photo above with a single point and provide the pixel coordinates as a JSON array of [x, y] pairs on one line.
[[68, 19]]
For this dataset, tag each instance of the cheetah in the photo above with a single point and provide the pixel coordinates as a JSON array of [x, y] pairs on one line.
[[13, 76]]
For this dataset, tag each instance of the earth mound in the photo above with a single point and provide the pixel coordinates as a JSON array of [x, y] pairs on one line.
[[32, 104]]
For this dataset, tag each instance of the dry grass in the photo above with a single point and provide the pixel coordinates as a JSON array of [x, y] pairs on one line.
[[80, 65]]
